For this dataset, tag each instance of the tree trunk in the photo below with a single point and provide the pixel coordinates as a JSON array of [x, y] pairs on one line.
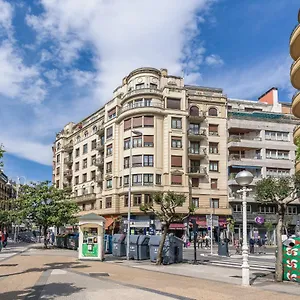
[[159, 258], [45, 238], [279, 257]]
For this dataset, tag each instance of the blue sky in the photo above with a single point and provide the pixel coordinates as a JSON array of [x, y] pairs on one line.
[[61, 60]]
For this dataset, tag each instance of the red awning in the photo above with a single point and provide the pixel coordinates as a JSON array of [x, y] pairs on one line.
[[177, 226], [109, 222]]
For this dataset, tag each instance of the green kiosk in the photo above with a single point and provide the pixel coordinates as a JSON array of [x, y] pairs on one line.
[[91, 237]]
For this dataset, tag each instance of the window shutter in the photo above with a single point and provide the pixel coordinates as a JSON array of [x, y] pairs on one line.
[[176, 161], [213, 128], [137, 160], [176, 179], [148, 121], [148, 138], [137, 122], [127, 124], [112, 112], [173, 103]]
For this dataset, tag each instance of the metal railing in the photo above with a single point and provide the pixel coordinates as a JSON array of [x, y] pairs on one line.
[[68, 173], [197, 170], [69, 147], [68, 160], [197, 151], [237, 138], [201, 132], [86, 197], [128, 107], [99, 161], [243, 156], [142, 91]]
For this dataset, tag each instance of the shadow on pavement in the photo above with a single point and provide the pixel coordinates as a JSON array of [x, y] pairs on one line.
[[48, 291], [50, 266]]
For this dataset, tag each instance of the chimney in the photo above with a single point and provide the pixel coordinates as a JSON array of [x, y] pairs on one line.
[[270, 97]]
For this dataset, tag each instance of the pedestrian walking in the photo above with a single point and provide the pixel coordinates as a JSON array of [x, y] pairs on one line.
[[237, 247], [264, 242], [251, 244], [1, 239], [52, 238], [200, 241], [259, 245], [5, 234]]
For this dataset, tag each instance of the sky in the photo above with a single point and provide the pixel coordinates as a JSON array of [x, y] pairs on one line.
[[61, 60]]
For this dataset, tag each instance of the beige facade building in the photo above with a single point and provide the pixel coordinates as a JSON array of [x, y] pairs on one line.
[[179, 137]]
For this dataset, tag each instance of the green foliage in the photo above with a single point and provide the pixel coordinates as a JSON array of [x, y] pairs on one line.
[[231, 223], [269, 226], [2, 151], [298, 149], [164, 205]]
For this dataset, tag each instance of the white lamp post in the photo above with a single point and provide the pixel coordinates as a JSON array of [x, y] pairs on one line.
[[137, 133], [243, 179]]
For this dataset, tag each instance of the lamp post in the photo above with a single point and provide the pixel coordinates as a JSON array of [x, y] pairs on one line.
[[16, 185], [243, 179], [136, 133]]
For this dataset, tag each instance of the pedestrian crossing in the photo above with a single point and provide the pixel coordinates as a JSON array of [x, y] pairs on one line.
[[8, 252]]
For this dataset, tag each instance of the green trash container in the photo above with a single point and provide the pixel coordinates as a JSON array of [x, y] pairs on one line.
[[61, 241], [72, 241], [291, 259]]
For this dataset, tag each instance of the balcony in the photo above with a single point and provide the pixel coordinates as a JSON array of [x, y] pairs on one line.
[[297, 166], [231, 179], [99, 162], [195, 153], [69, 147], [67, 184], [237, 197], [296, 104], [198, 118], [194, 135], [100, 130], [100, 146], [85, 198], [144, 106], [295, 43], [99, 178], [197, 171], [236, 141], [243, 157], [140, 92], [296, 134], [295, 74], [238, 217], [68, 173], [68, 160]]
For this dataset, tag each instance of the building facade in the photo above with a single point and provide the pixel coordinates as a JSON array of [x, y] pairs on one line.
[[260, 140], [6, 191], [168, 135]]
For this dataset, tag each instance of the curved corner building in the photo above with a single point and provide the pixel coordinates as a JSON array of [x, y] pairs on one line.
[[178, 132]]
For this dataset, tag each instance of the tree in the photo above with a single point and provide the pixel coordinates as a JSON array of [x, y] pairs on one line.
[[280, 192], [46, 206], [163, 206]]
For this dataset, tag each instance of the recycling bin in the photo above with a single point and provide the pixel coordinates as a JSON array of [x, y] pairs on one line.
[[291, 259], [223, 248], [143, 247], [118, 245], [133, 246], [172, 250], [72, 241], [61, 241], [108, 244]]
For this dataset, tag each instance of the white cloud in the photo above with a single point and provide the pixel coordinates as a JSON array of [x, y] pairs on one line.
[[82, 78], [6, 13], [214, 60]]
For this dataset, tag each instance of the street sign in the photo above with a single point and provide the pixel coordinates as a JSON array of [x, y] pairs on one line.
[[214, 222]]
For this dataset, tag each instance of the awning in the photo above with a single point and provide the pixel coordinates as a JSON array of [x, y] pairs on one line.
[[245, 167], [177, 226], [109, 222]]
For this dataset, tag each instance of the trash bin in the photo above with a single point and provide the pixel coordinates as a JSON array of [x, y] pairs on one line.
[[133, 246], [143, 247], [61, 241], [72, 241], [118, 241], [291, 259], [172, 250], [108, 244], [223, 248]]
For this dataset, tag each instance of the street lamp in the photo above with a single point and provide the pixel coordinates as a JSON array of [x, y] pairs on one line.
[[243, 179], [136, 133], [16, 185]]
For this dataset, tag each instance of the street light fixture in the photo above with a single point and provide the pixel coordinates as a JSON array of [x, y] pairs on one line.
[[243, 179], [136, 133]]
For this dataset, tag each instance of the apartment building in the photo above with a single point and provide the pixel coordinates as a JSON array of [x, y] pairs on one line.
[[6, 191], [170, 135], [260, 140]]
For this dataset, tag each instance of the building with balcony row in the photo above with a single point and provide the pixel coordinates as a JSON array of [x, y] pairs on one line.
[[6, 191]]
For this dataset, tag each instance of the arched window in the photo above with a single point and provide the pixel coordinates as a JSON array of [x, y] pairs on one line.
[[58, 146], [194, 111], [213, 112], [78, 138], [94, 128], [86, 134]]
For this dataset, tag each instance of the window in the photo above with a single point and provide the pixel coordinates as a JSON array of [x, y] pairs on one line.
[[86, 134], [277, 172], [77, 180], [267, 209], [137, 142], [84, 163], [126, 162], [148, 121], [83, 207], [147, 102], [292, 210], [57, 171], [58, 146], [147, 199], [94, 144], [137, 200], [173, 103], [277, 136], [126, 201], [213, 148], [148, 179], [77, 152], [158, 179], [140, 86], [213, 129], [85, 149], [148, 141], [176, 123], [239, 208], [148, 161], [77, 166], [153, 86], [127, 124], [214, 166], [100, 205], [93, 160], [120, 181], [137, 161], [138, 103], [95, 129], [194, 111], [93, 175], [176, 142], [92, 206], [109, 167], [195, 202], [127, 143], [194, 148], [57, 183], [58, 159], [214, 203], [84, 177], [214, 183], [84, 191], [126, 180], [109, 150], [108, 202], [213, 112], [195, 182], [112, 113], [109, 183], [109, 133], [137, 179], [176, 179], [78, 138], [137, 122], [194, 128], [277, 154], [176, 161]]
